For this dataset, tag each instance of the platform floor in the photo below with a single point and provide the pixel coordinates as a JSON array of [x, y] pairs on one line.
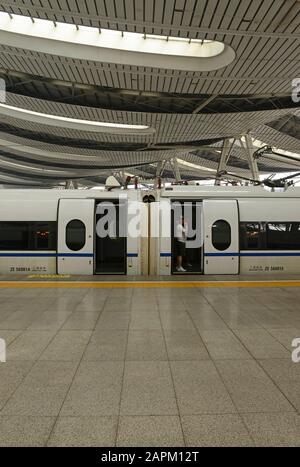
[[154, 366]]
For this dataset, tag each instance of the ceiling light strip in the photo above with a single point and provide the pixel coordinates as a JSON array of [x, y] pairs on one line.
[[73, 123], [111, 46]]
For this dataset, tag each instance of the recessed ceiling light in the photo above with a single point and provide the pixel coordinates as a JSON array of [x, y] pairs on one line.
[[73, 123], [111, 46], [194, 166]]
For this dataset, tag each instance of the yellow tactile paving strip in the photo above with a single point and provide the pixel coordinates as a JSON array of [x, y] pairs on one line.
[[147, 284]]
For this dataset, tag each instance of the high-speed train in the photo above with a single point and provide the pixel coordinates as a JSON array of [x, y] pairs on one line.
[[231, 230]]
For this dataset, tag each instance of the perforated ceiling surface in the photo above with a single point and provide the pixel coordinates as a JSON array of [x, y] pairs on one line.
[[188, 110], [264, 33]]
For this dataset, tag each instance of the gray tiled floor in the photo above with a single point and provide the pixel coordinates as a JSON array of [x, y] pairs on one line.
[[149, 367]]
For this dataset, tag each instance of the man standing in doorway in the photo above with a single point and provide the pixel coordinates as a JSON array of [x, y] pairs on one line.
[[181, 236]]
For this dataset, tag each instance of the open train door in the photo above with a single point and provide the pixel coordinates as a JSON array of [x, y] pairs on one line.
[[75, 245], [221, 237]]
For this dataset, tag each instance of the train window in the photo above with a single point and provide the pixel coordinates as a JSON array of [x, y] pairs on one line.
[[43, 235], [250, 235], [221, 235], [75, 235], [14, 235], [20, 236], [283, 235]]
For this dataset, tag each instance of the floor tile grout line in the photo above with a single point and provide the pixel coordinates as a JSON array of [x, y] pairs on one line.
[[71, 382], [122, 380], [269, 376], [44, 313], [33, 365], [233, 330], [58, 330], [151, 360], [31, 368], [261, 367], [223, 381], [278, 387], [277, 340], [277, 326], [239, 412], [17, 387], [254, 412], [15, 338], [173, 382]]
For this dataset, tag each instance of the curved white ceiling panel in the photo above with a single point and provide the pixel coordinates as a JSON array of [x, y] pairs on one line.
[[104, 158], [168, 127], [110, 46], [264, 34], [276, 138], [73, 123]]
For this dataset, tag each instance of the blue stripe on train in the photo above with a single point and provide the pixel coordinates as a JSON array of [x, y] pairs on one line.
[[221, 254], [55, 255], [135, 255], [270, 254], [46, 255], [28, 255], [242, 254], [279, 254]]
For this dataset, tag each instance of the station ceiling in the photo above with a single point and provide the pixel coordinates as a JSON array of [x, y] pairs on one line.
[[189, 112]]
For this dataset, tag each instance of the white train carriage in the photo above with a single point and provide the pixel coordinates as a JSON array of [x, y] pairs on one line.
[[232, 230], [55, 232], [245, 230]]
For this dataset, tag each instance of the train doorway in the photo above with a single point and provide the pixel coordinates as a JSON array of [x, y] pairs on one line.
[[186, 237], [111, 237]]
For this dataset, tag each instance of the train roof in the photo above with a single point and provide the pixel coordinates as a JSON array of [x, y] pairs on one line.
[[228, 192], [178, 192]]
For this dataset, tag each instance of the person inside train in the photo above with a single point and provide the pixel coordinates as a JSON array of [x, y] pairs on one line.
[[180, 243]]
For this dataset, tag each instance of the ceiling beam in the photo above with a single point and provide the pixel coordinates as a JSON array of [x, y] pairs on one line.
[[249, 150], [226, 150], [205, 103]]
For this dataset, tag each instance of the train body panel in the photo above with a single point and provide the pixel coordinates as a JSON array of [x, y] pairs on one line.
[[273, 262], [241, 230], [29, 262], [264, 239], [33, 233]]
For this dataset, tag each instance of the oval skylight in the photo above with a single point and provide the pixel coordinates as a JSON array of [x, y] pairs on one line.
[[110, 46]]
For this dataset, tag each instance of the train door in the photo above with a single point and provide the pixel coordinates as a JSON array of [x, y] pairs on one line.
[[221, 237], [111, 236], [75, 246], [190, 213]]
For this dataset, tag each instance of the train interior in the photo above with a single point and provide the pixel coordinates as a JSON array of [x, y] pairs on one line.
[[110, 251], [191, 211]]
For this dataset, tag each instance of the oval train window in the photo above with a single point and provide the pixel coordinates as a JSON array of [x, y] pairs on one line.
[[75, 235], [221, 235]]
